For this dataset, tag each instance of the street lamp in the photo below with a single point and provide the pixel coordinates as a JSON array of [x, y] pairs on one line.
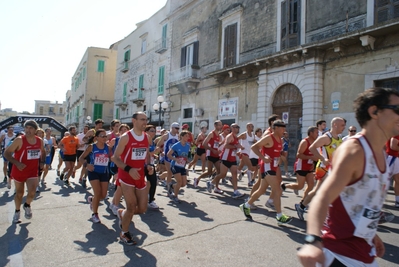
[[88, 120], [160, 108]]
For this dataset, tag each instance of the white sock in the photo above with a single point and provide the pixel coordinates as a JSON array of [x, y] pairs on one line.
[[249, 174], [270, 201], [247, 205], [279, 215]]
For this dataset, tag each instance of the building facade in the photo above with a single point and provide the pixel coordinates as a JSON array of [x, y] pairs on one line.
[[91, 95]]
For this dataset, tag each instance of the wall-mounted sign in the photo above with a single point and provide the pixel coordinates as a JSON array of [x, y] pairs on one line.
[[335, 105], [286, 117], [228, 108]]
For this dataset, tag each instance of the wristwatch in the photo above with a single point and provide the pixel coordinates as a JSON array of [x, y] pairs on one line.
[[311, 239]]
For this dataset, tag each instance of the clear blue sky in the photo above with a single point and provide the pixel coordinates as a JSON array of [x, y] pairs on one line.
[[43, 41]]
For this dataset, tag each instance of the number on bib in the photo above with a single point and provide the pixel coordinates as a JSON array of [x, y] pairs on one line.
[[139, 153], [33, 154]]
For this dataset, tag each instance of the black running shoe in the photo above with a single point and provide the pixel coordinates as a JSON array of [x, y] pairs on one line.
[[62, 176]]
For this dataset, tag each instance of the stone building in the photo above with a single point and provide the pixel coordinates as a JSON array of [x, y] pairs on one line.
[[92, 88]]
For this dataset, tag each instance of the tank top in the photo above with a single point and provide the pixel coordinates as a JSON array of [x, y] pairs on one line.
[[328, 150], [134, 154], [112, 164], [29, 155], [200, 140], [99, 158], [7, 140], [389, 150], [229, 154], [213, 143], [274, 153], [353, 217], [172, 139], [305, 164], [252, 154], [247, 143]]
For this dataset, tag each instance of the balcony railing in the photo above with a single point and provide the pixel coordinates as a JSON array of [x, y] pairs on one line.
[[125, 67], [184, 74], [161, 45]]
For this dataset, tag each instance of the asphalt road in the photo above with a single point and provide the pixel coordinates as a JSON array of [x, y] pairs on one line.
[[204, 230]]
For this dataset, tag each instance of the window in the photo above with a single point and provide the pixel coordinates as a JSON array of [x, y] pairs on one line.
[[41, 110], [141, 86], [161, 80], [84, 73], [386, 10], [124, 93], [61, 111], [290, 23], [189, 55], [164, 35], [98, 111], [143, 46], [230, 45], [100, 66], [77, 112], [51, 110], [187, 113], [388, 83], [117, 113], [127, 56]]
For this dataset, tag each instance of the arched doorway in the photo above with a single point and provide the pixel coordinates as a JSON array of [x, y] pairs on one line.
[[288, 101]]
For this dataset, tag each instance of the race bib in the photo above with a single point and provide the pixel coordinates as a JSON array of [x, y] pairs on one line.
[[216, 145], [233, 153], [139, 153], [275, 162], [101, 160], [310, 161], [180, 162], [33, 154], [367, 225]]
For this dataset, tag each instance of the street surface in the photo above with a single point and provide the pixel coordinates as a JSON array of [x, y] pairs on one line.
[[204, 230]]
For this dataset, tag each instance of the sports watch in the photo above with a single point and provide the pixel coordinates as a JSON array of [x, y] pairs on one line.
[[311, 239]]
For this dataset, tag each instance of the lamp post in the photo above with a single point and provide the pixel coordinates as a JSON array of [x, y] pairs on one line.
[[160, 108], [88, 120]]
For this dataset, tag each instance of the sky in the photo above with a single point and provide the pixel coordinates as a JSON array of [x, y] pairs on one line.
[[43, 41]]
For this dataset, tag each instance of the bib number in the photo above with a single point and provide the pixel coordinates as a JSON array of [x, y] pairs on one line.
[[181, 162], [275, 162], [101, 160], [139, 153], [33, 154], [367, 224], [216, 145]]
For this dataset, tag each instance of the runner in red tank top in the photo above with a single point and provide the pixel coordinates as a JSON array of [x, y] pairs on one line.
[[392, 149], [132, 156], [269, 160], [29, 154], [200, 151]]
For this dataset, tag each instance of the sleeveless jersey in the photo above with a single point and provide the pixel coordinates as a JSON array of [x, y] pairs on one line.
[[247, 143], [134, 154], [200, 140], [99, 158], [353, 217], [274, 153], [29, 155], [112, 164], [7, 140], [229, 154], [252, 154], [389, 150], [305, 164], [328, 150], [172, 139], [213, 143]]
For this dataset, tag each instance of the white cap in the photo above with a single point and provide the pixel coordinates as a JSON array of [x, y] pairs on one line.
[[175, 125]]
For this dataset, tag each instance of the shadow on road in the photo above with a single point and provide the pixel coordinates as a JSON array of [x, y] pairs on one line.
[[15, 241], [97, 240], [157, 222]]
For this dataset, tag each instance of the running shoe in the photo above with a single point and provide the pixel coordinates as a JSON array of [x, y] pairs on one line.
[[218, 191], [299, 212], [238, 194], [119, 214], [127, 239], [270, 205], [195, 182], [37, 189], [95, 218], [62, 176], [170, 190], [8, 183], [84, 183], [284, 219], [175, 200], [296, 192], [209, 186], [90, 201], [247, 211], [153, 205], [283, 186], [114, 209], [386, 216], [396, 204], [224, 181], [66, 181], [240, 176], [28, 212], [58, 173], [17, 215], [5, 179]]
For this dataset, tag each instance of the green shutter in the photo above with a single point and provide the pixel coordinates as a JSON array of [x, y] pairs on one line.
[[161, 76], [124, 93], [127, 56], [117, 114], [100, 66], [98, 111], [77, 111], [84, 73], [164, 35], [141, 85]]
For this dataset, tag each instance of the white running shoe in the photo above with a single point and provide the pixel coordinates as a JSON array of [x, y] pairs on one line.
[[153, 205], [270, 205], [28, 212], [238, 194], [95, 218], [17, 215]]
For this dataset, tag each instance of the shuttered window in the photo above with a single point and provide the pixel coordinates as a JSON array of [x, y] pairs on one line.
[[161, 80], [124, 93], [100, 66], [164, 35], [386, 10], [290, 23], [230, 45], [127, 56], [141, 86], [117, 114], [97, 111], [189, 55]]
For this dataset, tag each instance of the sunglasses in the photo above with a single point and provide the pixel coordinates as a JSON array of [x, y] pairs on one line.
[[352, 131], [177, 128], [152, 131], [102, 136], [395, 108]]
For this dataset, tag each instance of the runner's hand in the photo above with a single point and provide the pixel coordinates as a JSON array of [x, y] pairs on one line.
[[90, 167], [20, 166], [134, 173], [309, 255], [379, 246]]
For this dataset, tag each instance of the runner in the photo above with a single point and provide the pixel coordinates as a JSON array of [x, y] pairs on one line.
[[284, 153], [392, 149], [229, 162], [50, 145], [270, 146], [211, 144], [255, 161], [246, 139], [321, 126], [5, 140], [355, 190], [351, 132], [152, 178], [323, 149], [99, 155], [47, 149], [69, 145], [28, 156], [131, 156], [304, 167], [178, 154], [200, 151], [81, 149]]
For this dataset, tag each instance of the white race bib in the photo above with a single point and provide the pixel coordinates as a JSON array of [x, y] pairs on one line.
[[180, 162], [139, 153], [101, 160], [310, 161], [367, 225], [33, 154], [275, 161], [216, 145]]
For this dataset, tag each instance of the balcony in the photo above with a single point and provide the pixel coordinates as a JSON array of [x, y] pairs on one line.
[[139, 101], [125, 67], [186, 79], [123, 105], [161, 45]]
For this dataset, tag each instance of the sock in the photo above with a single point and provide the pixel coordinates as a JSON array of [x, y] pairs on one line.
[[302, 206], [279, 215], [271, 201], [246, 205], [26, 205], [283, 186], [397, 198], [17, 210], [249, 174]]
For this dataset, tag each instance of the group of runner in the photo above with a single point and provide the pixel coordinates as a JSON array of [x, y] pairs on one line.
[[129, 155]]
